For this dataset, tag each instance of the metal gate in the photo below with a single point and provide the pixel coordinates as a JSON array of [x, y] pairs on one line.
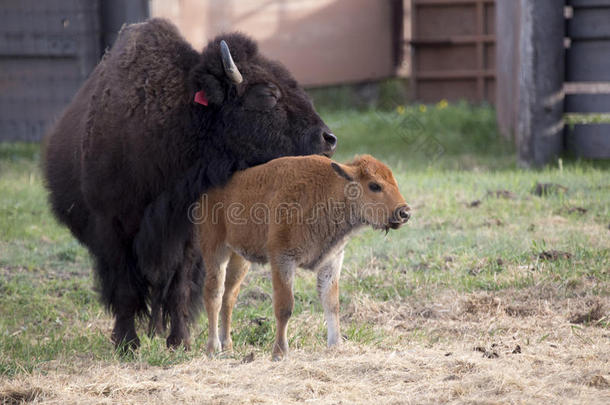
[[453, 50], [588, 75]]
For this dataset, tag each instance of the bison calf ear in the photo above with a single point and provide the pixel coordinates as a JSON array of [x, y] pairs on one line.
[[339, 170], [213, 88]]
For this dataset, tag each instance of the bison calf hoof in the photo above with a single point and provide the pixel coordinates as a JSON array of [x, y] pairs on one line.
[[334, 343], [227, 345], [213, 347], [279, 352], [334, 339]]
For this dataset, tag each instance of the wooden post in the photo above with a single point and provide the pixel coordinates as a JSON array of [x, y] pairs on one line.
[[531, 73], [541, 78]]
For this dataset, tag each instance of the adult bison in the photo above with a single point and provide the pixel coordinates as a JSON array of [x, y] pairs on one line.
[[154, 126]]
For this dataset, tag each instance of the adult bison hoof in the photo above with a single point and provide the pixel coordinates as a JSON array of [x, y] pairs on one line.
[[125, 344], [174, 342]]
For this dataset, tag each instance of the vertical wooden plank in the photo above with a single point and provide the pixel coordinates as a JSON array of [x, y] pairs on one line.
[[397, 16], [405, 68], [480, 49], [414, 79], [508, 28]]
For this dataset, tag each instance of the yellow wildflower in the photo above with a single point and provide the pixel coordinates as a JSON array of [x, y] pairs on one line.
[[441, 105], [423, 108], [401, 109]]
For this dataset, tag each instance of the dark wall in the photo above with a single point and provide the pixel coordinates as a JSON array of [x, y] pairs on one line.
[[588, 76], [115, 13], [47, 49], [542, 76]]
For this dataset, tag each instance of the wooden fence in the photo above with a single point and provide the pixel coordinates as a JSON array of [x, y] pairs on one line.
[[453, 50]]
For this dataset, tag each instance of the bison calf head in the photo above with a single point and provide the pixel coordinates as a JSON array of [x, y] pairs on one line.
[[260, 111], [373, 192]]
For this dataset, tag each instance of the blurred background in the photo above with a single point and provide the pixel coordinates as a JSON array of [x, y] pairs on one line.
[[538, 64], [457, 97]]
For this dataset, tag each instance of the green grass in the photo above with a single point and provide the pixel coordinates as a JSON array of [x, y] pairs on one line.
[[444, 158]]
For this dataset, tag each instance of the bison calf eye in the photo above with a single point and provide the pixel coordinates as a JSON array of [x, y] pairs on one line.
[[375, 187]]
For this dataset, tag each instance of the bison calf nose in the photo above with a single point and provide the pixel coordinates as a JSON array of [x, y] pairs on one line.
[[330, 139], [403, 214]]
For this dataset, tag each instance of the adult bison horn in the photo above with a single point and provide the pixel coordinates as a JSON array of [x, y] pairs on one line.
[[227, 61]]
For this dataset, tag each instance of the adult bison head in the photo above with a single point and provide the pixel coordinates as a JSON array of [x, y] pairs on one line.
[[262, 113]]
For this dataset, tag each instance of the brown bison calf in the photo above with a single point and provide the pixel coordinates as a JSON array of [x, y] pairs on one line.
[[292, 211]]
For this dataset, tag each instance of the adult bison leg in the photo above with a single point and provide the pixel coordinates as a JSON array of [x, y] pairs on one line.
[[124, 333], [123, 289], [166, 248], [183, 300], [177, 304]]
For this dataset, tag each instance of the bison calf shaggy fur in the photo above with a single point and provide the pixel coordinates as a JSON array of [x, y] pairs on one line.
[[291, 212], [155, 125]]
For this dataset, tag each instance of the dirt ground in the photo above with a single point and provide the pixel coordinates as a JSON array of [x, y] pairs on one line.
[[474, 348]]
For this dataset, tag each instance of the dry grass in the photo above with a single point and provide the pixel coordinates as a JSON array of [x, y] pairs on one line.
[[511, 347]]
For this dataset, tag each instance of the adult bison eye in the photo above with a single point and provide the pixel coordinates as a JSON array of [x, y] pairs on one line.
[[375, 187], [262, 97]]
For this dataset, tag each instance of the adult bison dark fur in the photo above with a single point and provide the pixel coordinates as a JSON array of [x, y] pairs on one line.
[[133, 151]]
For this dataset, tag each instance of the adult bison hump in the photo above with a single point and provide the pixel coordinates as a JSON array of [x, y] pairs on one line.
[[134, 121], [155, 125]]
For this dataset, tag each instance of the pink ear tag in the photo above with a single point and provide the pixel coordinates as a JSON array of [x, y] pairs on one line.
[[200, 98]]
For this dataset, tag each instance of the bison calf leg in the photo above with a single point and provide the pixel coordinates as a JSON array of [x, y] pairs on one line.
[[282, 272], [328, 290], [236, 271], [213, 288]]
